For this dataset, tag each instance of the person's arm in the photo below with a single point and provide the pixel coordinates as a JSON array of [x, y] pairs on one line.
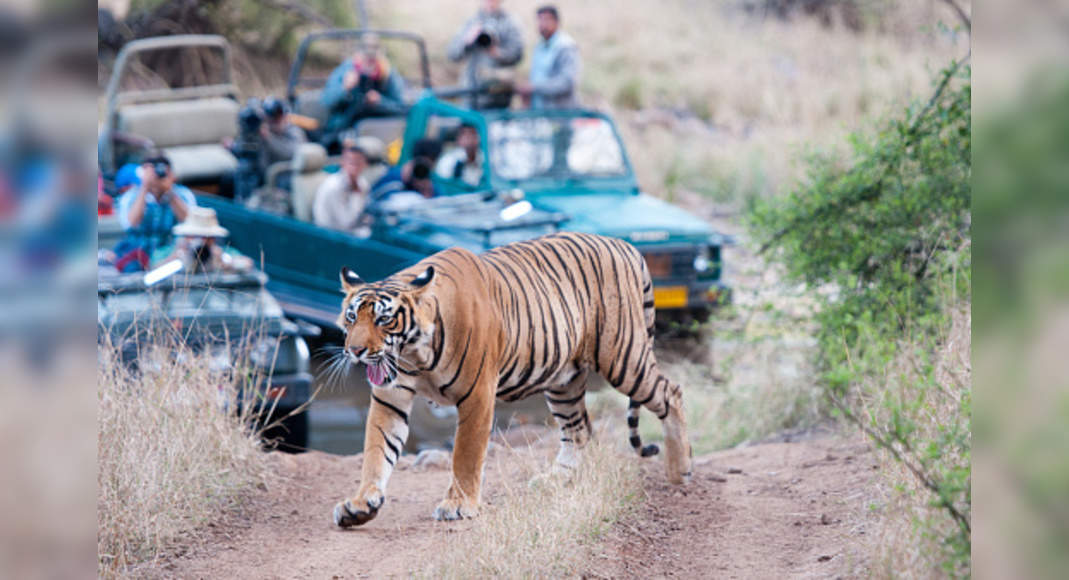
[[563, 82], [461, 43], [393, 93], [509, 44], [335, 93], [178, 205], [285, 145], [135, 212]]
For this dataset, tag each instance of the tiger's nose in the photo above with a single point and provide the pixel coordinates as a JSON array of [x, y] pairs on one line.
[[357, 350]]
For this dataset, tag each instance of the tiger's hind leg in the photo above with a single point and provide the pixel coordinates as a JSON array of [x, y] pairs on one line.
[[568, 407], [646, 386]]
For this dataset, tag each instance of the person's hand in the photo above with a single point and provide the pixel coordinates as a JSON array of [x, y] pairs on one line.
[[473, 33], [373, 97], [167, 186], [228, 142], [263, 130], [523, 88], [350, 80]]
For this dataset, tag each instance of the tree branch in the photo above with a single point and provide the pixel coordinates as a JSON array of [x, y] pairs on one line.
[[965, 20], [873, 191]]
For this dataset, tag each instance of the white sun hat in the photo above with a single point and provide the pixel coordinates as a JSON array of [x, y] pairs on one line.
[[201, 222]]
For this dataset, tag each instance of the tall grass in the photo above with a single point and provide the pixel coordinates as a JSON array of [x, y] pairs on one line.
[[916, 536], [173, 451], [545, 528]]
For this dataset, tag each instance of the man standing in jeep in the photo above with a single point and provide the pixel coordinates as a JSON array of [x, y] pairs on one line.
[[555, 66], [492, 44]]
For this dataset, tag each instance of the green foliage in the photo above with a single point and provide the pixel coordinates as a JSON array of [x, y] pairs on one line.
[[885, 244]]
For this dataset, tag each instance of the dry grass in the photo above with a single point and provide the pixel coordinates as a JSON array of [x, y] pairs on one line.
[[906, 538], [170, 456], [545, 528]]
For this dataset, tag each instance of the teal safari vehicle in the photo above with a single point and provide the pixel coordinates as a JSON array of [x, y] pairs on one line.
[[542, 171]]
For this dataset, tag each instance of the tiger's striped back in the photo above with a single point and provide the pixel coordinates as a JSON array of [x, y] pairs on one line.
[[570, 302]]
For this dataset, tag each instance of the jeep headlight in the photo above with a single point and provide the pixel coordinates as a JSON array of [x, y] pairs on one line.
[[264, 352], [701, 261]]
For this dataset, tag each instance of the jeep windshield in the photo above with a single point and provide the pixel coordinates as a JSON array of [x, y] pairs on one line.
[[555, 148]]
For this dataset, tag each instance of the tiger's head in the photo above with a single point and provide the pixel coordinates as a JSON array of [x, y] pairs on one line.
[[380, 318]]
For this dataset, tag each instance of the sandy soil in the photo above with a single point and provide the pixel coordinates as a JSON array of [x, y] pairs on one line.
[[766, 511]]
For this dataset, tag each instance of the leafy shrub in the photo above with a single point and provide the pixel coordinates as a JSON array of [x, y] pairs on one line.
[[885, 241]]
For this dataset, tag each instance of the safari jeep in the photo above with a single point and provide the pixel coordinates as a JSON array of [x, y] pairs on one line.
[[543, 171]]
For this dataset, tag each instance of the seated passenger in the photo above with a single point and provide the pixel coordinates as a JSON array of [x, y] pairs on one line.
[[413, 175], [197, 247], [147, 213], [342, 197], [280, 136], [465, 161], [363, 86]]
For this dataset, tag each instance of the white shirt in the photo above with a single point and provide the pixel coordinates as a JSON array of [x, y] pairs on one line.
[[337, 205], [471, 172]]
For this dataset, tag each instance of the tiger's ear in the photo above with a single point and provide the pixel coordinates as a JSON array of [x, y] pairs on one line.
[[423, 279], [350, 280]]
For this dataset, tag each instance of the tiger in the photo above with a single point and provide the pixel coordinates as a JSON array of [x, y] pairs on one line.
[[465, 329]]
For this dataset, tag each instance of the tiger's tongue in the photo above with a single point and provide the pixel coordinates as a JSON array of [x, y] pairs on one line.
[[376, 374]]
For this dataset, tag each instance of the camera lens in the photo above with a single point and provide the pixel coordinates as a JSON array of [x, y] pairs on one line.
[[160, 169], [484, 40], [421, 169]]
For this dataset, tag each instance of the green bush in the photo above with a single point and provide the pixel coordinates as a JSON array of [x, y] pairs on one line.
[[884, 242]]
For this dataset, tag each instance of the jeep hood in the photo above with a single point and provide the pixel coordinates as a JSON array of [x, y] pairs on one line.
[[637, 218]]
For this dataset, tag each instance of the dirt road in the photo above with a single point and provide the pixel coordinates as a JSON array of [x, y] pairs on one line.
[[767, 511]]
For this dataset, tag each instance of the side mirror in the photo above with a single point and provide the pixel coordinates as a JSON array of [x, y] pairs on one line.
[[163, 272], [515, 211]]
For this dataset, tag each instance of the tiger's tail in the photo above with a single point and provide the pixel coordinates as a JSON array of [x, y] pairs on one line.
[[648, 316]]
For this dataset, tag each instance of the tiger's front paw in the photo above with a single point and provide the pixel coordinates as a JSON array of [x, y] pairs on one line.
[[360, 510], [455, 509]]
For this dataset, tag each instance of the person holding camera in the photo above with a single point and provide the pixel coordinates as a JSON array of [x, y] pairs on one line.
[[363, 86], [465, 161], [149, 211], [492, 44], [555, 65], [414, 175], [280, 136]]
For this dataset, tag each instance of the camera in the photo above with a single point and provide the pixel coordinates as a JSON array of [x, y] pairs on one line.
[[484, 40], [421, 168], [160, 169], [249, 119]]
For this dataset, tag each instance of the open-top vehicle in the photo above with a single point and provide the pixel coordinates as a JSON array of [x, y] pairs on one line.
[[187, 116], [567, 167]]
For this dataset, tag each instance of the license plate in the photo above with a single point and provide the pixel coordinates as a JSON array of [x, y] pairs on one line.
[[670, 297]]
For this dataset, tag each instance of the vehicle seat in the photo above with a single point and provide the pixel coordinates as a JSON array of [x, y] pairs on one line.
[[308, 163], [376, 152], [389, 131], [308, 104], [190, 132]]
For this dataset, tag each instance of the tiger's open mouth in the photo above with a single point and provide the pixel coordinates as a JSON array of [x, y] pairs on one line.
[[376, 373]]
